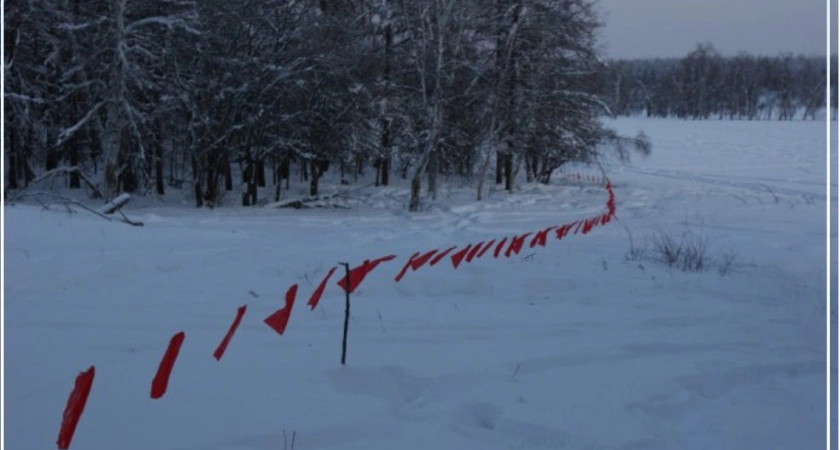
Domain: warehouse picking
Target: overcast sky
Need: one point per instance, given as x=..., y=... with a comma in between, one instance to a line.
x=661, y=28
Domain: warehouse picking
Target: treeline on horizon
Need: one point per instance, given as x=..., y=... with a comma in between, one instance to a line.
x=705, y=85
x=150, y=95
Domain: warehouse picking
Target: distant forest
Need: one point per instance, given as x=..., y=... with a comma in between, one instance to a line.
x=148, y=96
x=706, y=85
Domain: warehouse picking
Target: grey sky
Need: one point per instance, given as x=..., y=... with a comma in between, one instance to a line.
x=651, y=28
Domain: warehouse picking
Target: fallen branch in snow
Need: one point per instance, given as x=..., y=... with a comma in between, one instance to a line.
x=312, y=202
x=69, y=170
x=115, y=204
x=66, y=202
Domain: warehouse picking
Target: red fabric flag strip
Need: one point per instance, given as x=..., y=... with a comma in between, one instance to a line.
x=486, y=247
x=499, y=248
x=383, y=259
x=220, y=350
x=589, y=224
x=516, y=245
x=441, y=255
x=405, y=267
x=459, y=256
x=415, y=262
x=356, y=275
x=75, y=407
x=540, y=237
x=418, y=263
x=474, y=251
x=161, y=380
x=605, y=218
x=359, y=273
x=611, y=200
x=280, y=318
x=564, y=230
x=316, y=296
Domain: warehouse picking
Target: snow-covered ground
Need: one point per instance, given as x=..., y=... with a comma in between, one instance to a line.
x=568, y=346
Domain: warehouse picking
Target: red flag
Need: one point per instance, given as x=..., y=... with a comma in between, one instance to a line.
x=415, y=262
x=516, y=244
x=441, y=255
x=405, y=267
x=359, y=273
x=474, y=251
x=540, y=237
x=590, y=224
x=611, y=200
x=356, y=275
x=316, y=296
x=486, y=247
x=75, y=407
x=499, y=248
x=418, y=263
x=459, y=256
x=280, y=318
x=564, y=230
x=220, y=350
x=161, y=380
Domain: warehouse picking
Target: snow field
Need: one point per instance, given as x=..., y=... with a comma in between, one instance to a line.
x=568, y=346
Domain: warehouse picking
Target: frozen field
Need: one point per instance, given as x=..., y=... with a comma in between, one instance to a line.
x=569, y=346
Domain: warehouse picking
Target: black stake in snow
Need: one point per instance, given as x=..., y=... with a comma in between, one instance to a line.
x=346, y=312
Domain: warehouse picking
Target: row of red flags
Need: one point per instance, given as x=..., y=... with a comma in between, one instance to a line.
x=507, y=247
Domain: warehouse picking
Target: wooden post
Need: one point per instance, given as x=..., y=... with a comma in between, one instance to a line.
x=346, y=312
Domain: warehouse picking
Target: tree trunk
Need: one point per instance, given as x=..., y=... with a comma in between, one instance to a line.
x=386, y=171
x=285, y=171
x=249, y=177
x=172, y=164
x=414, y=203
x=73, y=159
x=385, y=144
x=227, y=172
x=499, y=164
x=529, y=168
x=382, y=171
x=159, y=185
x=112, y=133
x=211, y=194
x=433, y=169
x=199, y=196
x=316, y=175
x=253, y=183
x=260, y=168
x=509, y=172
x=52, y=158
x=12, y=176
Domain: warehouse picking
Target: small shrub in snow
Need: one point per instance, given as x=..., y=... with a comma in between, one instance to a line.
x=636, y=252
x=689, y=253
x=666, y=249
x=727, y=263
